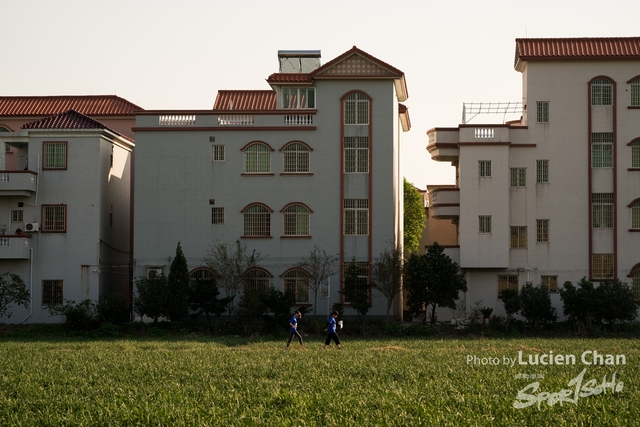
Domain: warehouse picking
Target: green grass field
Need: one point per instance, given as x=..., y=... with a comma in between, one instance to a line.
x=198, y=381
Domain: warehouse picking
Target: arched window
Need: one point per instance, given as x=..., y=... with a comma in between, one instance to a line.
x=635, y=92
x=296, y=158
x=635, y=214
x=601, y=92
x=257, y=158
x=257, y=221
x=296, y=220
x=257, y=281
x=635, y=153
x=201, y=277
x=635, y=282
x=296, y=285
x=356, y=109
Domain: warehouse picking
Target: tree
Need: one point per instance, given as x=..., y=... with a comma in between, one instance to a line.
x=386, y=275
x=433, y=279
x=414, y=217
x=580, y=303
x=617, y=302
x=204, y=297
x=150, y=300
x=356, y=289
x=177, y=304
x=319, y=267
x=512, y=304
x=12, y=291
x=230, y=262
x=536, y=305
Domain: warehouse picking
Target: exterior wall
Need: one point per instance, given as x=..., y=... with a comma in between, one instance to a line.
x=176, y=180
x=90, y=189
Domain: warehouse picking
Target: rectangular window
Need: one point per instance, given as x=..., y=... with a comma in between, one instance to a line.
x=356, y=154
x=17, y=215
x=602, y=210
x=356, y=217
x=356, y=109
x=217, y=215
x=55, y=155
x=218, y=152
x=518, y=177
x=484, y=224
x=507, y=281
x=54, y=218
x=484, y=168
x=550, y=283
x=542, y=231
x=298, y=97
x=635, y=154
x=602, y=149
x=601, y=92
x=52, y=292
x=518, y=237
x=635, y=93
x=542, y=171
x=542, y=112
x=602, y=266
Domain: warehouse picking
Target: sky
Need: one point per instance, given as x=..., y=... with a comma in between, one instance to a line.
x=162, y=54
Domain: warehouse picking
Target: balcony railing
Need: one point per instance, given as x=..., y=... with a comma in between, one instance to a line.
x=14, y=247
x=298, y=119
x=177, y=120
x=18, y=183
x=235, y=120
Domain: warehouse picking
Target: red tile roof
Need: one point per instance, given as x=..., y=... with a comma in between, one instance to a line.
x=67, y=120
x=290, y=78
x=245, y=100
x=577, y=49
x=98, y=105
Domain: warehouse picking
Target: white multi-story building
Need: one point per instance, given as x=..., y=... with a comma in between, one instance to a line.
x=65, y=216
x=555, y=195
x=313, y=161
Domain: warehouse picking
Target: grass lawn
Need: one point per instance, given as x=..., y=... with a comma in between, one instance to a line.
x=204, y=381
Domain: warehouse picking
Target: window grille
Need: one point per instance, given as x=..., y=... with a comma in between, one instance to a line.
x=636, y=284
x=635, y=92
x=217, y=215
x=484, y=168
x=602, y=149
x=602, y=266
x=296, y=221
x=17, y=215
x=542, y=112
x=55, y=155
x=296, y=286
x=507, y=281
x=52, y=292
x=257, y=159
x=635, y=154
x=518, y=237
x=257, y=282
x=257, y=221
x=601, y=92
x=218, y=152
x=518, y=177
x=484, y=224
x=356, y=109
x=602, y=210
x=54, y=218
x=635, y=215
x=356, y=154
x=542, y=171
x=542, y=231
x=296, y=158
x=356, y=217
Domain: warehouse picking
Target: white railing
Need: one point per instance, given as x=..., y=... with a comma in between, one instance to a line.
x=484, y=133
x=235, y=120
x=4, y=177
x=298, y=119
x=4, y=241
x=177, y=120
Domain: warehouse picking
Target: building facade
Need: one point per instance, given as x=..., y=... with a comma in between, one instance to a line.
x=313, y=161
x=555, y=195
x=65, y=216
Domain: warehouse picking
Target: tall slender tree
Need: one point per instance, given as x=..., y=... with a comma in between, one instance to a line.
x=177, y=306
x=414, y=217
x=356, y=289
x=386, y=275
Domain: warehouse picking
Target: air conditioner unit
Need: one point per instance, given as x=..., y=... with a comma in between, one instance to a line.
x=31, y=227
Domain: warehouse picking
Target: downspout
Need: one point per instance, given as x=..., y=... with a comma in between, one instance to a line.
x=30, y=285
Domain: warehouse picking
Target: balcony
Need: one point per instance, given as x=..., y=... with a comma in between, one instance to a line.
x=14, y=247
x=445, y=203
x=18, y=183
x=443, y=144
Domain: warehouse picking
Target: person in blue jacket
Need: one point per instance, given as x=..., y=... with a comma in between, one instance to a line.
x=331, y=331
x=293, y=328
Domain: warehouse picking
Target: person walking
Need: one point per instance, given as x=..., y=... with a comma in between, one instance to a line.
x=293, y=328
x=331, y=331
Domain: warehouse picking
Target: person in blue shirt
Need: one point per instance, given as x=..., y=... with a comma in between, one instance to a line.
x=331, y=331
x=293, y=328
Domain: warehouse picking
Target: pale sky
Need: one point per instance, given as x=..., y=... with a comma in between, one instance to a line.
x=162, y=54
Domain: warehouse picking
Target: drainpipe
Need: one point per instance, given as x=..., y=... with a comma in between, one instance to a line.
x=30, y=285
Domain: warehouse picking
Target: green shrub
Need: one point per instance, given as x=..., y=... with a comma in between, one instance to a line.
x=113, y=309
x=536, y=305
x=82, y=316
